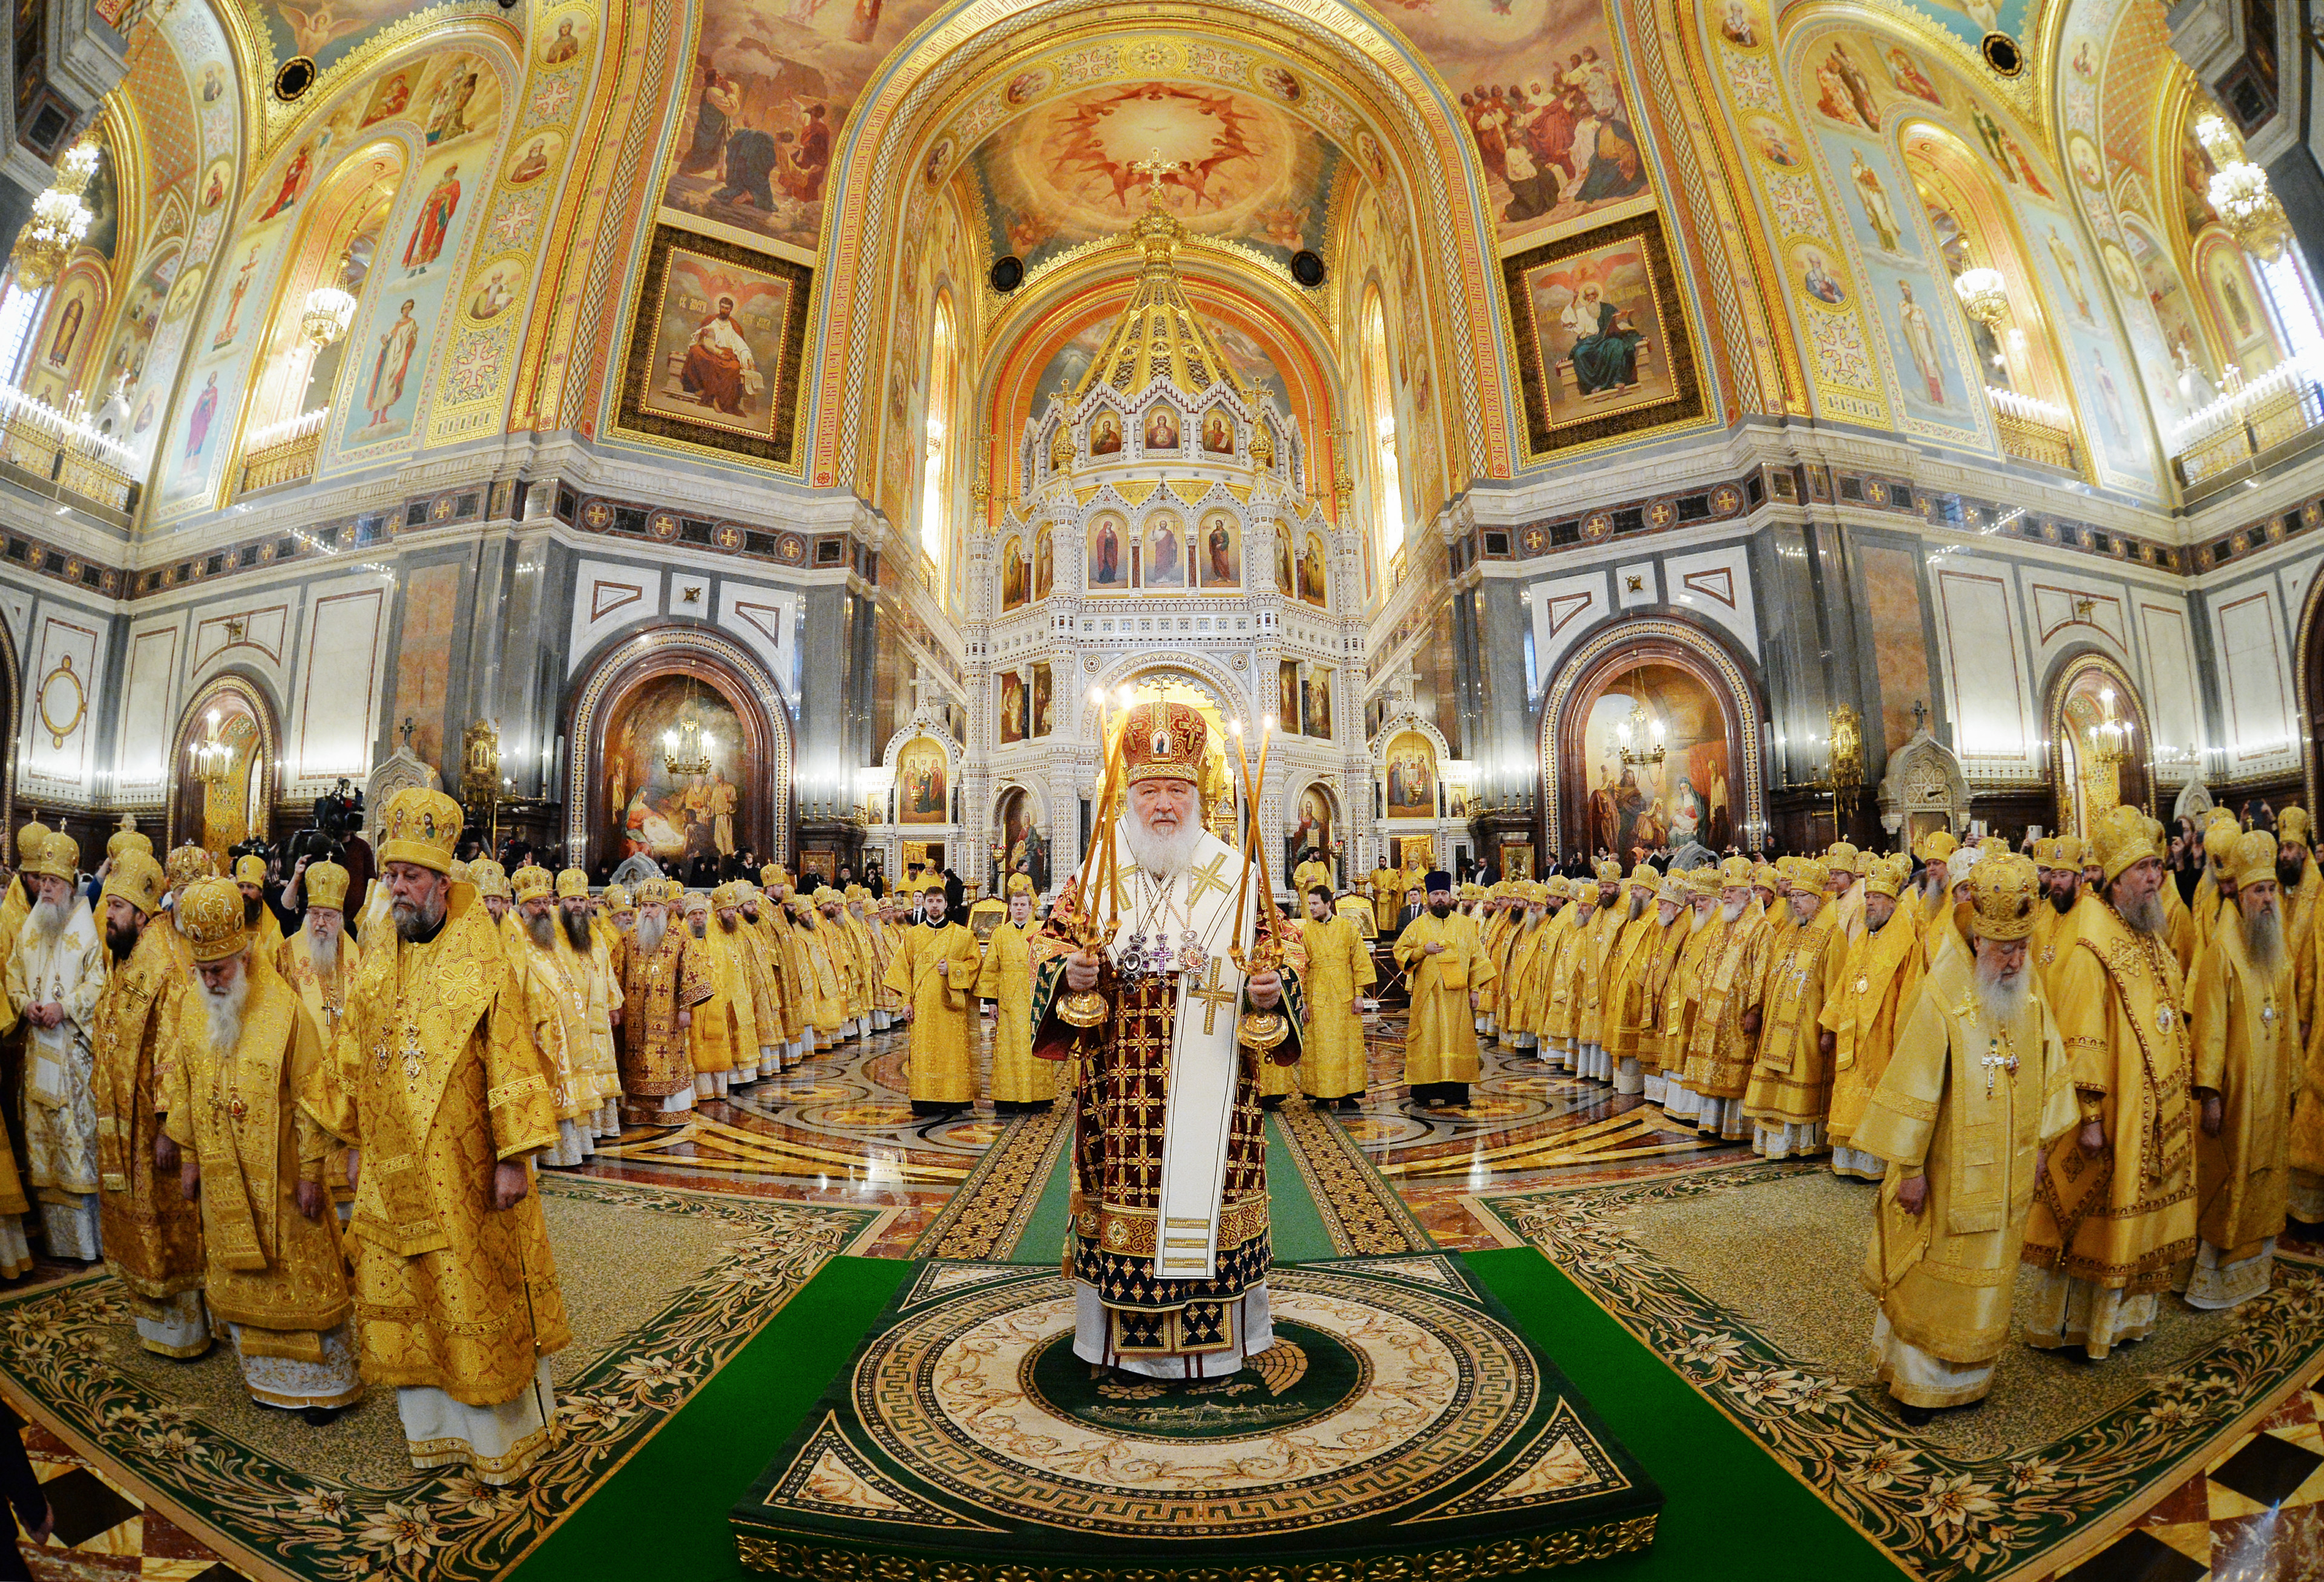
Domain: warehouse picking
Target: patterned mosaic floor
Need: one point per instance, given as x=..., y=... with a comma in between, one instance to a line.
x=839, y=1134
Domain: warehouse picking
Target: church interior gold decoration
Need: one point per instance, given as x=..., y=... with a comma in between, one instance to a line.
x=1607, y=350
x=715, y=348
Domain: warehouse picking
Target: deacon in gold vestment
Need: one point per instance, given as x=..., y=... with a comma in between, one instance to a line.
x=2247, y=1061
x=1978, y=1088
x=1020, y=1081
x=662, y=980
x=437, y=1086
x=152, y=1236
x=1877, y=983
x=1388, y=897
x=2115, y=1215
x=1790, y=1095
x=1445, y=967
x=1333, y=1064
x=1170, y=1248
x=247, y=1083
x=934, y=970
x=1719, y=1047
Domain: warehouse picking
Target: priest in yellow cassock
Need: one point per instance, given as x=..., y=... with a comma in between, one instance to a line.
x=1333, y=1066
x=1169, y=1253
x=1721, y=1044
x=54, y=977
x=152, y=1236
x=1878, y=981
x=248, y=1085
x=1388, y=897
x=1313, y=870
x=1789, y=1099
x=1445, y=967
x=1977, y=1090
x=663, y=979
x=2247, y=1065
x=935, y=970
x=2115, y=1215
x=1006, y=978
x=437, y=1086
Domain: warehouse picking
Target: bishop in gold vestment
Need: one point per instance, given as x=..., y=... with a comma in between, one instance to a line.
x=1721, y=1044
x=54, y=977
x=1790, y=1095
x=152, y=1236
x=2247, y=1061
x=319, y=962
x=1878, y=982
x=1562, y=1004
x=1674, y=1019
x=1338, y=967
x=1521, y=993
x=1977, y=1087
x=722, y=1035
x=1623, y=1005
x=2115, y=1215
x=934, y=970
x=662, y=980
x=556, y=1012
x=587, y=954
x=1445, y=967
x=1020, y=1081
x=437, y=1086
x=248, y=1084
x=1590, y=1058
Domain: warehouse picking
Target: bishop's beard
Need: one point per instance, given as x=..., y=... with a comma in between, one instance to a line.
x=542, y=931
x=323, y=949
x=1166, y=857
x=577, y=930
x=1729, y=911
x=47, y=917
x=223, y=1010
x=2145, y=914
x=1638, y=905
x=2263, y=939
x=650, y=932
x=2003, y=999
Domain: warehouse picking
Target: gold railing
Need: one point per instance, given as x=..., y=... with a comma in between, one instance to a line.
x=2034, y=431
x=63, y=457
x=285, y=453
x=2249, y=420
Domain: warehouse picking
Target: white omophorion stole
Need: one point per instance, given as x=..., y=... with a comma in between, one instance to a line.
x=1198, y=1114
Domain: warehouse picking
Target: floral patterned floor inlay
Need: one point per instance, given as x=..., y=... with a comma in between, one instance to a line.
x=1744, y=1279
x=701, y=1274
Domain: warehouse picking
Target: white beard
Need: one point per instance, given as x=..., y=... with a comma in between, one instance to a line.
x=324, y=948
x=225, y=1011
x=650, y=932
x=2264, y=941
x=1166, y=857
x=2001, y=1003
x=1729, y=911
x=1697, y=919
x=47, y=918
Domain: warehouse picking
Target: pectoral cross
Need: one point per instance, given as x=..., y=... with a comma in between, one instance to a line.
x=2268, y=1018
x=1214, y=997
x=1205, y=879
x=1153, y=168
x=1997, y=1061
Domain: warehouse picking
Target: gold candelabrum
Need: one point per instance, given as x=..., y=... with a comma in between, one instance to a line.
x=2109, y=737
x=480, y=775
x=1844, y=730
x=213, y=757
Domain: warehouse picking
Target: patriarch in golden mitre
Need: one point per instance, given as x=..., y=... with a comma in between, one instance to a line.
x=1169, y=1249
x=2241, y=1011
x=248, y=1086
x=438, y=1089
x=1978, y=1088
x=2115, y=1215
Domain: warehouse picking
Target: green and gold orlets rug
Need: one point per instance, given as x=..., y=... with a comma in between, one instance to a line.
x=1401, y=1425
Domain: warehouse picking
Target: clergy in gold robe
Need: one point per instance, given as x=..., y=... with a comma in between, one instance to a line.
x=2244, y=1023
x=2215, y=885
x=662, y=981
x=821, y=972
x=2296, y=873
x=1978, y=1086
x=730, y=906
x=1842, y=889
x=437, y=1085
x=152, y=1236
x=1622, y=1004
x=1020, y=1081
x=54, y=977
x=248, y=1081
x=1333, y=1069
x=722, y=1033
x=1522, y=993
x=1878, y=981
x=788, y=960
x=556, y=1012
x=1590, y=1057
x=266, y=929
x=1932, y=893
x=1313, y=870
x=1562, y=1002
x=846, y=961
x=1722, y=1043
x=1680, y=996
x=2059, y=921
x=851, y=919
x=2115, y=1214
x=1789, y=1099
x=588, y=956
x=1673, y=919
x=1444, y=963
x=1387, y=886
x=880, y=926
x=319, y=962
x=935, y=970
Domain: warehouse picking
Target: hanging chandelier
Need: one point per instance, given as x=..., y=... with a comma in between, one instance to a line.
x=2108, y=736
x=213, y=757
x=2251, y=212
x=1984, y=295
x=687, y=750
x=1639, y=736
x=59, y=222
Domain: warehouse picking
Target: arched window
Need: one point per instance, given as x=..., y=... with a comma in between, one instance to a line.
x=936, y=466
x=1380, y=436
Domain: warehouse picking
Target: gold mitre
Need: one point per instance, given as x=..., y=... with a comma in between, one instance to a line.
x=1644, y=876
x=250, y=868
x=572, y=884
x=1808, y=874
x=727, y=897
x=617, y=900
x=58, y=857
x=421, y=827
x=1557, y=887
x=1671, y=891
x=185, y=864
x=694, y=901
x=1887, y=876
x=121, y=840
x=1765, y=877
x=2007, y=892
x=28, y=841
x=1840, y=854
x=326, y=884
x=532, y=882
x=1609, y=872
x=772, y=875
x=2255, y=858
x=1935, y=846
x=1163, y=741
x=2219, y=832
x=2120, y=840
x=1735, y=873
x=1707, y=880
x=209, y=915
x=2049, y=855
x=489, y=877
x=135, y=877
x=2291, y=825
